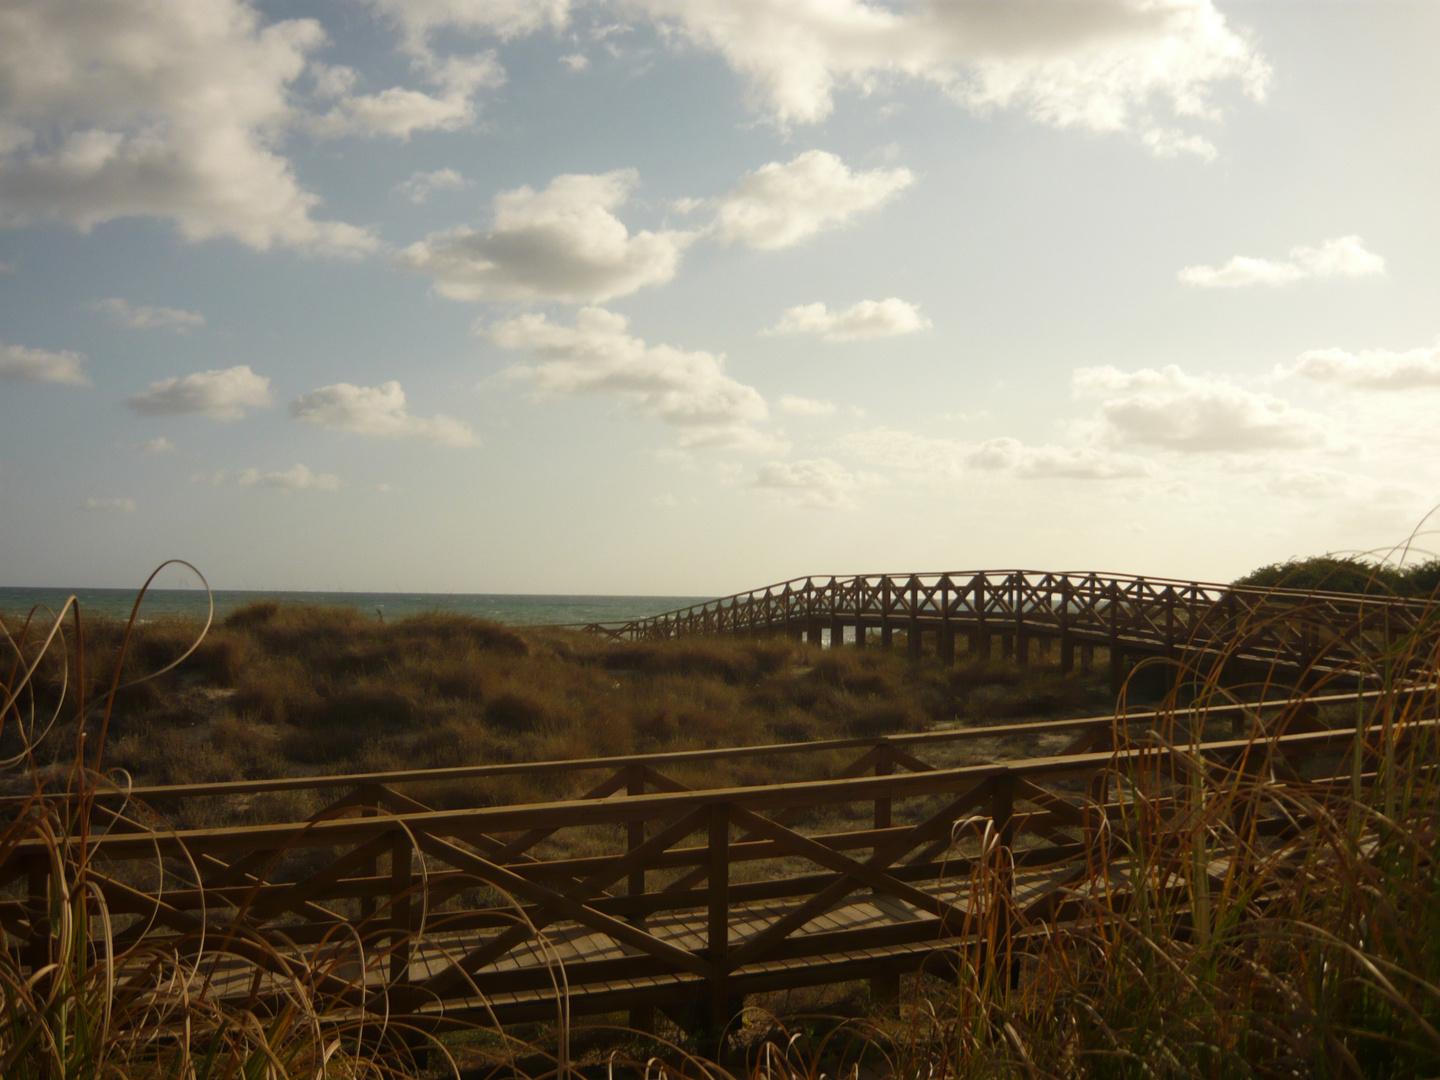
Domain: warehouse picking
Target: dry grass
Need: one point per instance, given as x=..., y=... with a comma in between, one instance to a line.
x=275, y=691
x=1239, y=954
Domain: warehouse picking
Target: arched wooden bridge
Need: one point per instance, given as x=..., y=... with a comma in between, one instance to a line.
x=641, y=891
x=1288, y=631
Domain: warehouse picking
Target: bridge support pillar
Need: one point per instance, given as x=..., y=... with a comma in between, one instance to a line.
x=1087, y=658
x=859, y=633
x=1022, y=648
x=885, y=989
x=978, y=646
x=885, y=635
x=913, y=641
x=1117, y=667
x=1007, y=646
x=1067, y=654
x=837, y=632
x=723, y=1003
x=947, y=645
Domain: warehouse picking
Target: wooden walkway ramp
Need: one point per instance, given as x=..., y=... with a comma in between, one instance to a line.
x=642, y=892
x=1286, y=631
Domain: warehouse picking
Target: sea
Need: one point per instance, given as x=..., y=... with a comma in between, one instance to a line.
x=514, y=608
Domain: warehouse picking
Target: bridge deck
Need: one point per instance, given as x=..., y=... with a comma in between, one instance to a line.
x=572, y=957
x=688, y=899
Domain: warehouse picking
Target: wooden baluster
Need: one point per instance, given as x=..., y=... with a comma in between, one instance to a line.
x=912, y=630
x=947, y=631
x=642, y=1017
x=885, y=766
x=718, y=931
x=1062, y=618
x=369, y=809
x=1117, y=655
x=1003, y=814
x=885, y=613
x=980, y=639
x=401, y=880
x=635, y=836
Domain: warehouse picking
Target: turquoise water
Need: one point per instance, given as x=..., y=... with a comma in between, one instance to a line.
x=513, y=608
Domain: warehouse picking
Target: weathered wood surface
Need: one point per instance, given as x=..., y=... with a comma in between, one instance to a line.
x=645, y=892
x=1288, y=630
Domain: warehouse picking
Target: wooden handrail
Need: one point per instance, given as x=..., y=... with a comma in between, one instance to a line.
x=614, y=811
x=668, y=758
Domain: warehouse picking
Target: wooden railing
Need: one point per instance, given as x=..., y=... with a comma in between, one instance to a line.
x=1287, y=629
x=642, y=892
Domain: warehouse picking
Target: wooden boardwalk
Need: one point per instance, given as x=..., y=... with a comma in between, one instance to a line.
x=639, y=892
x=1285, y=631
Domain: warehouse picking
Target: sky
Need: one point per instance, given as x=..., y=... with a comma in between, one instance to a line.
x=674, y=298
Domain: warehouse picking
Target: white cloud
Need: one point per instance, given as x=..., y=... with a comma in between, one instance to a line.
x=803, y=406
x=422, y=185
x=866, y=319
x=419, y=20
x=150, y=318
x=220, y=395
x=1371, y=369
x=818, y=483
x=377, y=410
x=563, y=243
x=1049, y=462
x=400, y=112
x=166, y=109
x=779, y=205
x=576, y=61
x=20, y=364
x=930, y=458
x=1099, y=65
x=296, y=478
x=157, y=445
x=1193, y=414
x=109, y=506
x=1344, y=256
x=596, y=357
x=1170, y=143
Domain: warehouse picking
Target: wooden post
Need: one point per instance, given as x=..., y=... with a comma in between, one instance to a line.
x=401, y=879
x=837, y=630
x=635, y=836
x=980, y=636
x=1067, y=643
x=1007, y=646
x=1022, y=639
x=912, y=631
x=1087, y=658
x=1003, y=814
x=642, y=1017
x=946, y=645
x=884, y=767
x=718, y=933
x=885, y=613
x=369, y=809
x=885, y=989
x=1117, y=654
